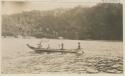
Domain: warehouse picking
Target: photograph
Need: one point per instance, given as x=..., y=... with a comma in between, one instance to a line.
x=61, y=37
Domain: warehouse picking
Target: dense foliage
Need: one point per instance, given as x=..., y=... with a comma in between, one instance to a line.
x=103, y=22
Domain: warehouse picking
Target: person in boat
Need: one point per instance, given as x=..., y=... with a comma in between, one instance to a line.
x=62, y=46
x=43, y=44
x=39, y=45
x=79, y=47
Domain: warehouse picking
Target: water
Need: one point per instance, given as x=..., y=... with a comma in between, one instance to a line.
x=18, y=58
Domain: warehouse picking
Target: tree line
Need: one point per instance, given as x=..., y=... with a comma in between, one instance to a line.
x=103, y=21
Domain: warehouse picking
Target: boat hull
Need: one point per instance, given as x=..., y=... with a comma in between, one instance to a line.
x=40, y=50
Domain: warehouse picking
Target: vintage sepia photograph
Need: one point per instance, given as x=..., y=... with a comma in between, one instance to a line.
x=61, y=37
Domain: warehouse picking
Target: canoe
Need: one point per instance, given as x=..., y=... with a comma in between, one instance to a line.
x=40, y=50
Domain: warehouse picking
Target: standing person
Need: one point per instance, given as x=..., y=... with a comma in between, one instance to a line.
x=62, y=46
x=79, y=47
x=40, y=44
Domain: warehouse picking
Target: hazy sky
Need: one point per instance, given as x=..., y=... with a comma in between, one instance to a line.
x=10, y=7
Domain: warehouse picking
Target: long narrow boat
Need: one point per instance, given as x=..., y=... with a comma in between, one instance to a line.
x=40, y=50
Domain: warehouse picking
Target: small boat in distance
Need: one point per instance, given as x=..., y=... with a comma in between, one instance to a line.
x=48, y=50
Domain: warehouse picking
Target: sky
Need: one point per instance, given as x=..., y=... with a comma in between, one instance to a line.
x=11, y=7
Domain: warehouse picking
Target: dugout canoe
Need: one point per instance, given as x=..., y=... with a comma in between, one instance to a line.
x=40, y=50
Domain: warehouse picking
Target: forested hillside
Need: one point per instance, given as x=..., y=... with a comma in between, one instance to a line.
x=101, y=22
